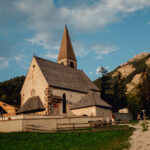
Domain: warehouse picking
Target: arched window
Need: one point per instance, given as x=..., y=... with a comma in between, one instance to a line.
x=71, y=64
x=33, y=92
x=64, y=110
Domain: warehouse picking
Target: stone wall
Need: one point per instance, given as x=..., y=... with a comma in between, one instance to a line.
x=89, y=111
x=71, y=97
x=123, y=116
x=106, y=113
x=40, y=123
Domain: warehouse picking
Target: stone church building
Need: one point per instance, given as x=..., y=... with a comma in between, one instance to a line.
x=60, y=88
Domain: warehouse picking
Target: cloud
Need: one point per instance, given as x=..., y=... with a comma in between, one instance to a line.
x=51, y=55
x=98, y=70
x=80, y=49
x=20, y=57
x=3, y=63
x=46, y=18
x=101, y=50
x=44, y=21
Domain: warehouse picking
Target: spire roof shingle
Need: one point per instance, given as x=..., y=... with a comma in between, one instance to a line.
x=66, y=49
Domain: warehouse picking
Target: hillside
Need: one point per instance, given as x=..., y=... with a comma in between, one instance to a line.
x=10, y=90
x=131, y=71
x=130, y=78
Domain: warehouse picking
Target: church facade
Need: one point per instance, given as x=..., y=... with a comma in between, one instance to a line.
x=60, y=88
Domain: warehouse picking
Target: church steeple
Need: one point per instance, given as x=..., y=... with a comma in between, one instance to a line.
x=66, y=53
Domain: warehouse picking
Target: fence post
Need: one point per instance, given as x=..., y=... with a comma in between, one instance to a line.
x=57, y=127
x=107, y=125
x=73, y=127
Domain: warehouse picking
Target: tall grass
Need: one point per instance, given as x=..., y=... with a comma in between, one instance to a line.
x=108, y=140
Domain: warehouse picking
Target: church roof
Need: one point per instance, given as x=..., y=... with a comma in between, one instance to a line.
x=91, y=99
x=66, y=49
x=61, y=76
x=33, y=104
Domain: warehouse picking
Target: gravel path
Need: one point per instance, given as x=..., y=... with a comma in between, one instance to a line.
x=140, y=140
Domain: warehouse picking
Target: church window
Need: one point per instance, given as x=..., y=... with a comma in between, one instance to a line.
x=71, y=64
x=64, y=104
x=33, y=92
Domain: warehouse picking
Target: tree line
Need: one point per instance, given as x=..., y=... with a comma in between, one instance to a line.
x=114, y=91
x=10, y=90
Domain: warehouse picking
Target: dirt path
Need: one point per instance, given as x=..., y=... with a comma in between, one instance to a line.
x=140, y=140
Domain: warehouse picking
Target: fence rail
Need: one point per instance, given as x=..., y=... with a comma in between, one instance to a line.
x=93, y=126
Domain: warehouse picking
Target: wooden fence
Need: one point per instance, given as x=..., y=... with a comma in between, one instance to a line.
x=92, y=126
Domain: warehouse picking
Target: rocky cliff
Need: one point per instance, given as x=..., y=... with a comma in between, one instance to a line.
x=131, y=71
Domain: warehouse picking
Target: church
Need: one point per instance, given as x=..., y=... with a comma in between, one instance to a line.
x=61, y=89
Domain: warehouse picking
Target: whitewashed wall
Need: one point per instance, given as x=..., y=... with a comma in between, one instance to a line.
x=34, y=80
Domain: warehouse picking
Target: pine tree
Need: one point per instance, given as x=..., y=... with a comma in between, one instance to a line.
x=144, y=91
x=119, y=96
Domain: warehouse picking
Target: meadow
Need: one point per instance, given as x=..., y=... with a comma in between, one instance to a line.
x=107, y=140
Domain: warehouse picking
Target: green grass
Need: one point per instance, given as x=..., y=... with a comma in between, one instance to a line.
x=133, y=122
x=107, y=140
x=144, y=126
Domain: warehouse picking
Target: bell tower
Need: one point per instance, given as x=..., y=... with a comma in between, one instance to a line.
x=66, y=53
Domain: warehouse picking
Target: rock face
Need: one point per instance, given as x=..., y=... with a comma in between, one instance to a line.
x=125, y=70
x=131, y=71
x=134, y=82
x=138, y=57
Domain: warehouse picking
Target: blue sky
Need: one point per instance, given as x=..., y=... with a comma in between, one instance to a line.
x=103, y=32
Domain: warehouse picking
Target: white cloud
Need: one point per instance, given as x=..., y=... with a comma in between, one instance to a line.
x=98, y=70
x=80, y=49
x=4, y=63
x=20, y=57
x=51, y=55
x=46, y=19
x=101, y=50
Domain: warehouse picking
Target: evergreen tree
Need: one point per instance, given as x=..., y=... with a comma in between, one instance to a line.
x=134, y=104
x=10, y=90
x=119, y=96
x=144, y=91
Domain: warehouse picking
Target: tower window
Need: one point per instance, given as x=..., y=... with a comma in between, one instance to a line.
x=64, y=104
x=71, y=64
x=33, y=92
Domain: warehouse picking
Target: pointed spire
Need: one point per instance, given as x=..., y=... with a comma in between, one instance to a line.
x=66, y=49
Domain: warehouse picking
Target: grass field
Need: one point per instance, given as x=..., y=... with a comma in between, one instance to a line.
x=107, y=140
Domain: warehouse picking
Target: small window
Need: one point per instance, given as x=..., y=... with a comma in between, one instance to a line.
x=64, y=104
x=33, y=92
x=71, y=64
x=62, y=63
x=33, y=66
